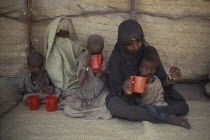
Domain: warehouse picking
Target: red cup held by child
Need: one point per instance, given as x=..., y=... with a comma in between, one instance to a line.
x=138, y=84
x=96, y=62
x=33, y=102
x=51, y=103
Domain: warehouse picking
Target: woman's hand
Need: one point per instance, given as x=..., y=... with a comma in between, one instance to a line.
x=174, y=73
x=127, y=87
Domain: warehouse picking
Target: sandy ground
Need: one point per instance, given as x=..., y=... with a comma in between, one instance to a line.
x=23, y=124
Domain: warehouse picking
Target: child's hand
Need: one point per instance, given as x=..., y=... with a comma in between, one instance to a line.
x=174, y=73
x=127, y=87
x=48, y=90
x=87, y=61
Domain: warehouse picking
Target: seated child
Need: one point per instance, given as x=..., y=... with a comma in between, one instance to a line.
x=89, y=100
x=153, y=94
x=35, y=80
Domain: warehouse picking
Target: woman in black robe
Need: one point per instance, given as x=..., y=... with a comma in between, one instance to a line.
x=124, y=62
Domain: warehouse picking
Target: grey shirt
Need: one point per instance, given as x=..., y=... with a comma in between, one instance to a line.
x=27, y=86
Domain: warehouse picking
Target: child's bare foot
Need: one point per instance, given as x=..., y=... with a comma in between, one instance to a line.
x=179, y=121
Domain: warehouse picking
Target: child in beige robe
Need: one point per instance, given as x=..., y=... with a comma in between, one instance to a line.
x=89, y=100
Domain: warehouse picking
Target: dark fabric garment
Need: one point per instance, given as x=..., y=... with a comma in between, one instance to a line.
x=128, y=30
x=122, y=108
x=177, y=107
x=122, y=65
x=157, y=112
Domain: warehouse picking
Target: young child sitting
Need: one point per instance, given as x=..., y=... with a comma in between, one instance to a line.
x=153, y=93
x=35, y=80
x=89, y=100
x=153, y=98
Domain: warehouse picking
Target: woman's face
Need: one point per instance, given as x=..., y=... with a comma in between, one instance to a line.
x=134, y=46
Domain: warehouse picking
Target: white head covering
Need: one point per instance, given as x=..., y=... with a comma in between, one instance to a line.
x=67, y=25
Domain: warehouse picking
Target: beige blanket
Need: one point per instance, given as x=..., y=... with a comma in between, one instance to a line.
x=62, y=56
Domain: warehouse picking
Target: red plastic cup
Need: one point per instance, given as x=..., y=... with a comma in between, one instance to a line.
x=51, y=103
x=138, y=84
x=33, y=102
x=96, y=62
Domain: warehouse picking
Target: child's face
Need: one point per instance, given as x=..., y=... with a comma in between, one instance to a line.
x=93, y=50
x=35, y=66
x=146, y=68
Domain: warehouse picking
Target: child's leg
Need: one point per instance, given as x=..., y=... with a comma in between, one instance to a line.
x=160, y=113
x=97, y=109
x=177, y=107
x=74, y=112
x=179, y=121
x=97, y=113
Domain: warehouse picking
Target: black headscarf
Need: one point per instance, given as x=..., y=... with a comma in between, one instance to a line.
x=129, y=30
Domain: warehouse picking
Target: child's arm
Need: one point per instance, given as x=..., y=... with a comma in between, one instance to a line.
x=83, y=71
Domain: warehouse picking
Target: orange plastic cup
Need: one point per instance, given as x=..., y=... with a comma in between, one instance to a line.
x=33, y=102
x=138, y=84
x=96, y=62
x=51, y=103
